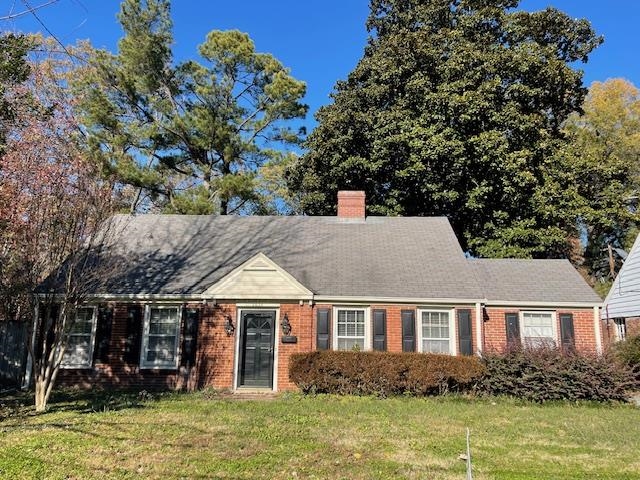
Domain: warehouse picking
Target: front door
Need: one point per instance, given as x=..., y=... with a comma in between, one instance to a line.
x=256, y=348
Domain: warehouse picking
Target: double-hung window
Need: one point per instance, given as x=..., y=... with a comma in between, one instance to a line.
x=436, y=331
x=161, y=336
x=538, y=328
x=351, y=327
x=79, y=350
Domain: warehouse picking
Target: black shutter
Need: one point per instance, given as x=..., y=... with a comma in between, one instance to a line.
x=48, y=313
x=513, y=329
x=133, y=335
x=380, y=330
x=322, y=328
x=189, y=337
x=103, y=335
x=464, y=332
x=408, y=330
x=566, y=331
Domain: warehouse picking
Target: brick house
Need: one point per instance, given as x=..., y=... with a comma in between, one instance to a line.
x=224, y=301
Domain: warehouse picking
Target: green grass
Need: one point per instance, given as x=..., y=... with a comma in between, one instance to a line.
x=293, y=437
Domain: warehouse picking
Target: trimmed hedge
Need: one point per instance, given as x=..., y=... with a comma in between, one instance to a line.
x=383, y=373
x=544, y=374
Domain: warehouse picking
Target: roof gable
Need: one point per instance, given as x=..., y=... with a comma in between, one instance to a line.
x=259, y=278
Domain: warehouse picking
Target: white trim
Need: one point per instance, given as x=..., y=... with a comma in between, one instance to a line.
x=549, y=305
x=342, y=300
x=257, y=305
x=267, y=264
x=368, y=337
x=276, y=342
x=453, y=350
x=92, y=339
x=554, y=323
x=144, y=365
x=597, y=325
x=479, y=328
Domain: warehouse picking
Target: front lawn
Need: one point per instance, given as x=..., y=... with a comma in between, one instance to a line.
x=294, y=437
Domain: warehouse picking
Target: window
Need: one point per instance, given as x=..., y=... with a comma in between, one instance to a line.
x=436, y=331
x=538, y=328
x=79, y=351
x=621, y=328
x=351, y=329
x=160, y=340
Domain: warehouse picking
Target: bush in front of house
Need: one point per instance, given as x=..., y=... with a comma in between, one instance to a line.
x=545, y=374
x=383, y=373
x=627, y=352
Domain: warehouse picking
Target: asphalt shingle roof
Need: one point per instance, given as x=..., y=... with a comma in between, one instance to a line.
x=532, y=281
x=390, y=257
x=380, y=256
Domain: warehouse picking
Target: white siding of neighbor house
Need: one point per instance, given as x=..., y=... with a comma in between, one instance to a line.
x=258, y=278
x=623, y=299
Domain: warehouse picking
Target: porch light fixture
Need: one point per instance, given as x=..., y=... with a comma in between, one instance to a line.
x=286, y=326
x=228, y=326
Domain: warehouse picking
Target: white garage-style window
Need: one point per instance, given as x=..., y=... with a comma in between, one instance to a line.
x=538, y=328
x=352, y=329
x=161, y=336
x=436, y=331
x=82, y=336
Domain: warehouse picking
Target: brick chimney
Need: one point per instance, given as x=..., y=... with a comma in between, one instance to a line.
x=351, y=204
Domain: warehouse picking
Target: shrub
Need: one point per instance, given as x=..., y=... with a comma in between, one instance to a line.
x=383, y=373
x=627, y=352
x=544, y=374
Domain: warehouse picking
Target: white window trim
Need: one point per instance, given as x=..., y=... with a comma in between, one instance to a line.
x=368, y=337
x=92, y=341
x=145, y=339
x=453, y=339
x=554, y=324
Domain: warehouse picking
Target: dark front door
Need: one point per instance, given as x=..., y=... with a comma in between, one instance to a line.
x=256, y=348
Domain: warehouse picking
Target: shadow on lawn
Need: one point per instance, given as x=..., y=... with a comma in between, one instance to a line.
x=75, y=400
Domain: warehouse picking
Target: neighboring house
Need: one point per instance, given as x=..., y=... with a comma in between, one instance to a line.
x=224, y=301
x=621, y=311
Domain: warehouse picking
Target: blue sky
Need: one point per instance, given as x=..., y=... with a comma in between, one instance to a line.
x=319, y=41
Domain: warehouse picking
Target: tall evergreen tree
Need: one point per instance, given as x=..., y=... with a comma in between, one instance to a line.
x=190, y=136
x=456, y=109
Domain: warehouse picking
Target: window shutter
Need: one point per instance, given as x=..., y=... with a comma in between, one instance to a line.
x=47, y=336
x=464, y=332
x=513, y=329
x=408, y=330
x=133, y=335
x=380, y=330
x=566, y=331
x=323, y=329
x=103, y=335
x=189, y=337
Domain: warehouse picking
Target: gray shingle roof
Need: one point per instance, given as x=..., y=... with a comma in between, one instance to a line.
x=382, y=256
x=532, y=281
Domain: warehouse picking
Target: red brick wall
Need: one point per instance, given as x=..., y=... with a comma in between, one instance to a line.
x=608, y=328
x=216, y=350
x=495, y=334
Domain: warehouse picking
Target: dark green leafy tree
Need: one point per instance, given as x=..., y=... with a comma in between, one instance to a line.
x=14, y=70
x=190, y=137
x=456, y=109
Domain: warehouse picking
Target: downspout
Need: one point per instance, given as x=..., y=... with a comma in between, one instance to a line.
x=598, y=332
x=479, y=328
